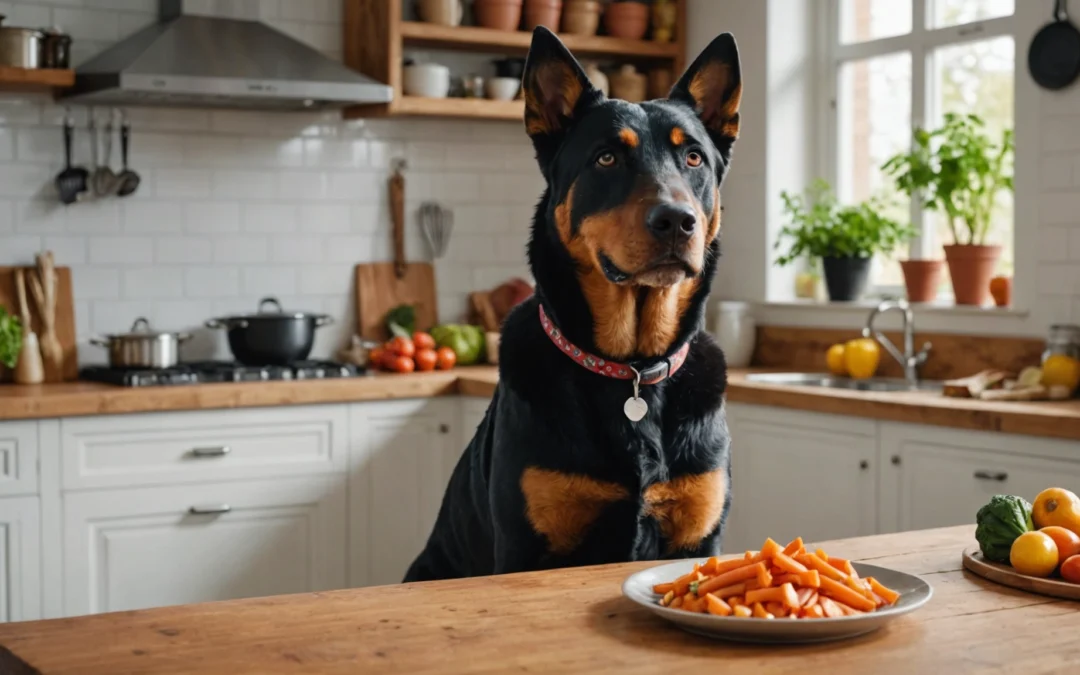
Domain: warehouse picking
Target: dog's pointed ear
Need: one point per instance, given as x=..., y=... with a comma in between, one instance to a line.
x=556, y=88
x=712, y=86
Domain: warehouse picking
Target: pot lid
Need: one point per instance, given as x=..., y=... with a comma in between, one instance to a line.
x=270, y=308
x=141, y=329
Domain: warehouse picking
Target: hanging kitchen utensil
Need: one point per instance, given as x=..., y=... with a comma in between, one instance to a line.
x=102, y=178
x=72, y=181
x=128, y=181
x=383, y=286
x=436, y=223
x=1054, y=55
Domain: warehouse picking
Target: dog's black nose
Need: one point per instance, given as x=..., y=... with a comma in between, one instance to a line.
x=671, y=221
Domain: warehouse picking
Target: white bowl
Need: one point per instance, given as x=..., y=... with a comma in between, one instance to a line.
x=426, y=79
x=502, y=88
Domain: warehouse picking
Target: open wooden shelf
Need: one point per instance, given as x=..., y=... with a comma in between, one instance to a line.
x=471, y=108
x=474, y=38
x=35, y=79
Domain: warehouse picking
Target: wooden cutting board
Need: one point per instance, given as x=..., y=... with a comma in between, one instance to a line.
x=65, y=319
x=380, y=287
x=1007, y=576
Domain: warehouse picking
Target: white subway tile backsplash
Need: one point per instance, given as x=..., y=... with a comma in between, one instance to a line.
x=48, y=216
x=241, y=249
x=359, y=186
x=1060, y=208
x=244, y=184
x=211, y=217
x=70, y=250
x=1056, y=172
x=350, y=248
x=25, y=180
x=335, y=152
x=95, y=282
x=324, y=218
x=7, y=217
x=296, y=249
x=7, y=144
x=325, y=280
x=109, y=250
x=85, y=24
x=281, y=152
x=302, y=185
x=211, y=282
x=269, y=280
x=118, y=316
x=171, y=183
x=152, y=217
x=184, y=250
x=270, y=218
x=153, y=282
x=19, y=249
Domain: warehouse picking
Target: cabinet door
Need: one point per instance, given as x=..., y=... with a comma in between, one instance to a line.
x=145, y=547
x=20, y=559
x=401, y=456
x=799, y=474
x=939, y=477
x=18, y=458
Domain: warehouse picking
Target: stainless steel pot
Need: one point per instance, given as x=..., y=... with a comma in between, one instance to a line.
x=21, y=47
x=142, y=347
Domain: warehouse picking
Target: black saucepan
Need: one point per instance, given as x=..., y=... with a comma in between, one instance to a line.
x=274, y=337
x=1054, y=56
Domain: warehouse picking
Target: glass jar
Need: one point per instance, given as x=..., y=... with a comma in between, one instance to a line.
x=1063, y=339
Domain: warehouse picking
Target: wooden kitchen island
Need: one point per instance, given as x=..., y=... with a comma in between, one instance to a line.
x=570, y=621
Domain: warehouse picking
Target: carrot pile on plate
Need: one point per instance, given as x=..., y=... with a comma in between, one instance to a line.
x=777, y=582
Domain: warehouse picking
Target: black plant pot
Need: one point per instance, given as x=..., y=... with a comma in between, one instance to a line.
x=846, y=277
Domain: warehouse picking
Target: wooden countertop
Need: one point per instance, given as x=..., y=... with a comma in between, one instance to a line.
x=1054, y=419
x=565, y=621
x=73, y=399
x=1059, y=419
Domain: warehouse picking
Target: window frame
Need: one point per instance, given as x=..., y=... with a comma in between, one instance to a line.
x=921, y=42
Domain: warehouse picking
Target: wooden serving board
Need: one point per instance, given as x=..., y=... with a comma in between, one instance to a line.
x=1007, y=576
x=379, y=289
x=65, y=319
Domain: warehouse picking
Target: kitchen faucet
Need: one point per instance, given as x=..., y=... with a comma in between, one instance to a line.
x=908, y=359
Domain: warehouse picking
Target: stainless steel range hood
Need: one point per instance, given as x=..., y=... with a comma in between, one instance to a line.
x=204, y=61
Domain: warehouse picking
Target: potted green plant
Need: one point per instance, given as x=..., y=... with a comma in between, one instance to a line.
x=10, y=338
x=845, y=238
x=960, y=171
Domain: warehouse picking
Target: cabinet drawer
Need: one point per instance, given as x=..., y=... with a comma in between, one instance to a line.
x=167, y=448
x=145, y=547
x=18, y=458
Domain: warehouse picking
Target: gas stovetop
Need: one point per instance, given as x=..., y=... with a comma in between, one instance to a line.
x=205, y=372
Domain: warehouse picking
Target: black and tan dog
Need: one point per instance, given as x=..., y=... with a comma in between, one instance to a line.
x=623, y=249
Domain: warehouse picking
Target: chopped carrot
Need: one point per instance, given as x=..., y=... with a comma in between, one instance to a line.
x=668, y=597
x=752, y=584
x=682, y=584
x=734, y=576
x=775, y=571
x=709, y=567
x=760, y=612
x=696, y=605
x=727, y=591
x=724, y=566
x=677, y=602
x=815, y=612
x=848, y=611
x=839, y=591
x=859, y=586
x=879, y=601
x=736, y=600
x=844, y=566
x=770, y=548
x=809, y=578
x=717, y=606
x=776, y=609
x=661, y=589
x=811, y=601
x=803, y=595
x=822, y=554
x=783, y=594
x=742, y=611
x=832, y=610
x=889, y=595
x=815, y=562
x=788, y=564
x=795, y=547
x=750, y=555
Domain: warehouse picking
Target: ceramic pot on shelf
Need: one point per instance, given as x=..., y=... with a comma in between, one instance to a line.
x=922, y=278
x=663, y=20
x=498, y=14
x=581, y=17
x=626, y=19
x=596, y=76
x=628, y=84
x=441, y=12
x=970, y=268
x=543, y=13
x=736, y=333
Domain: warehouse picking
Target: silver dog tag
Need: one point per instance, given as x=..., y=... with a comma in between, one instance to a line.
x=635, y=407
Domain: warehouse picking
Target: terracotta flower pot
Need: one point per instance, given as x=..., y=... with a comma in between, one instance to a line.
x=628, y=20
x=581, y=17
x=543, y=13
x=922, y=279
x=498, y=14
x=971, y=268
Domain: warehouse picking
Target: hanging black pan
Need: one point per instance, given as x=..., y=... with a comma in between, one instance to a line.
x=1054, y=57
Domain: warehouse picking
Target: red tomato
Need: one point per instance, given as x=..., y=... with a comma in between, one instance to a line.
x=402, y=346
x=401, y=364
x=377, y=357
x=1070, y=570
x=1068, y=542
x=422, y=340
x=447, y=358
x=426, y=359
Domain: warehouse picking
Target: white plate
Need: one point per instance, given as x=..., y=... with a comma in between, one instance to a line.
x=914, y=593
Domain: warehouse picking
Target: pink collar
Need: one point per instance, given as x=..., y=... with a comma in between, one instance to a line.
x=658, y=372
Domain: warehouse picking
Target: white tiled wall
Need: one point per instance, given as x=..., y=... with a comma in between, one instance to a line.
x=238, y=205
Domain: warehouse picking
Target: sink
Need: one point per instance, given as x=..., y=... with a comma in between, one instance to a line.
x=833, y=382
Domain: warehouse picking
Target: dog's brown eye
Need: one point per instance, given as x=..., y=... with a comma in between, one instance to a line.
x=606, y=159
x=694, y=158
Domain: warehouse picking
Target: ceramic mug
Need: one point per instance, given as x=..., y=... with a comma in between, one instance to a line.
x=426, y=79
x=442, y=12
x=502, y=88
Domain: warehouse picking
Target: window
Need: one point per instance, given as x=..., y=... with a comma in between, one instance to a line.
x=899, y=64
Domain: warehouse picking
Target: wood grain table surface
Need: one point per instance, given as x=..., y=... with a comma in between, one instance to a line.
x=563, y=621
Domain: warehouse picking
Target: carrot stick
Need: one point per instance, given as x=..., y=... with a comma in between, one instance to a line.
x=783, y=594
x=682, y=584
x=717, y=606
x=668, y=597
x=788, y=564
x=848, y=611
x=803, y=595
x=815, y=562
x=839, y=591
x=810, y=578
x=663, y=589
x=822, y=554
x=734, y=576
x=724, y=566
x=811, y=601
x=760, y=612
x=889, y=595
x=742, y=611
x=859, y=586
x=727, y=591
x=843, y=565
x=879, y=601
x=795, y=547
x=770, y=548
x=709, y=568
x=832, y=610
x=815, y=612
x=736, y=600
x=677, y=602
x=776, y=609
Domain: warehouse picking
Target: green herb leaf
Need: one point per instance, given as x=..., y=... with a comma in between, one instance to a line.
x=10, y=338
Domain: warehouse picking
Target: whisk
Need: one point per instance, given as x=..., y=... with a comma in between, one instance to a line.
x=436, y=223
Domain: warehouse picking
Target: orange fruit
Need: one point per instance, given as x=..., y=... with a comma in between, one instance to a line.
x=1034, y=554
x=1060, y=370
x=1001, y=290
x=1068, y=542
x=1057, y=506
x=834, y=358
x=862, y=357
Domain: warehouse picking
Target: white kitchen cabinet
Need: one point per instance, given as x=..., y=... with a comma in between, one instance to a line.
x=143, y=547
x=936, y=477
x=400, y=460
x=799, y=474
x=20, y=559
x=18, y=458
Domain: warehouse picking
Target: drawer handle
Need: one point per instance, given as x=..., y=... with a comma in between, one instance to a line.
x=216, y=451
x=211, y=510
x=999, y=476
